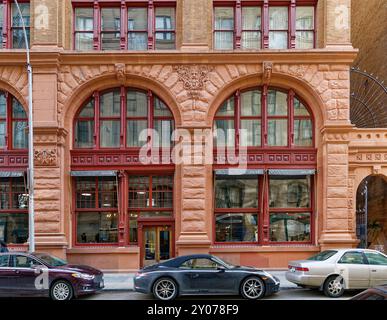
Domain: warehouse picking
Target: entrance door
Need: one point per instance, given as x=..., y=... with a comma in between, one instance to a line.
x=157, y=244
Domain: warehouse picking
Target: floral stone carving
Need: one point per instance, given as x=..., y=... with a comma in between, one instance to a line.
x=45, y=157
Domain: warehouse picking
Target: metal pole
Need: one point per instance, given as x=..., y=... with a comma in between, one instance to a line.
x=366, y=214
x=31, y=211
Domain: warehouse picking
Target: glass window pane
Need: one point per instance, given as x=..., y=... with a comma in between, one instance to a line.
x=19, y=201
x=250, y=133
x=304, y=40
x=25, y=10
x=376, y=258
x=236, y=227
x=164, y=129
x=303, y=133
x=232, y=192
x=88, y=110
x=136, y=104
x=251, y=40
x=133, y=131
x=137, y=19
x=165, y=40
x=160, y=109
x=352, y=258
x=110, y=41
x=110, y=19
x=224, y=18
x=251, y=18
x=278, y=133
x=285, y=227
x=107, y=192
x=18, y=110
x=110, y=104
x=84, y=134
x=278, y=18
x=299, y=108
x=95, y=227
x=227, y=108
x=86, y=193
x=3, y=130
x=18, y=41
x=139, y=192
x=5, y=201
x=304, y=18
x=84, y=41
x=278, y=40
x=110, y=133
x=162, y=192
x=165, y=18
x=3, y=105
x=13, y=228
x=19, y=135
x=224, y=40
x=84, y=19
x=277, y=103
x=133, y=226
x=1, y=24
x=137, y=41
x=251, y=103
x=224, y=133
x=290, y=192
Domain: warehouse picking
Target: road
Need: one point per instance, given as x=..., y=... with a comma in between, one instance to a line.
x=289, y=294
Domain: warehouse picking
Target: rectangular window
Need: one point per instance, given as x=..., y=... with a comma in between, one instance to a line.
x=290, y=227
x=236, y=227
x=224, y=133
x=110, y=28
x=110, y=133
x=224, y=28
x=137, y=118
x=18, y=41
x=164, y=28
x=137, y=29
x=290, y=192
x=304, y=27
x=234, y=192
x=84, y=25
x=14, y=228
x=251, y=27
x=278, y=27
x=97, y=227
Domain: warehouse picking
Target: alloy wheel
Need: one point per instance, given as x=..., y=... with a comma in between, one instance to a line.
x=335, y=287
x=253, y=288
x=61, y=291
x=165, y=289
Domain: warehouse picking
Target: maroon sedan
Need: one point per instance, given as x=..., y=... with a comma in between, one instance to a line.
x=43, y=275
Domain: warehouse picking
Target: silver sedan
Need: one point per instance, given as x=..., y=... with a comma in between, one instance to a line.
x=336, y=270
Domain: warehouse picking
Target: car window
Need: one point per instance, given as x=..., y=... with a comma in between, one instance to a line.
x=352, y=258
x=322, y=256
x=376, y=258
x=374, y=296
x=4, y=260
x=24, y=262
x=202, y=263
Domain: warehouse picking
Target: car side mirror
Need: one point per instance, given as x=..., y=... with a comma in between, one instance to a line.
x=37, y=268
x=221, y=269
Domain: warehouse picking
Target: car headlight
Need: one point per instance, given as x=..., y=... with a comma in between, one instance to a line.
x=83, y=276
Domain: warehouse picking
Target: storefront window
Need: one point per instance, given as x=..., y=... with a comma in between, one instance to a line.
x=97, y=227
x=233, y=192
x=290, y=192
x=290, y=227
x=240, y=227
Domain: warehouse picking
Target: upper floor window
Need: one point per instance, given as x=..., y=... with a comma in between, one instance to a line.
x=145, y=25
x=263, y=117
x=252, y=25
x=13, y=123
x=123, y=117
x=11, y=28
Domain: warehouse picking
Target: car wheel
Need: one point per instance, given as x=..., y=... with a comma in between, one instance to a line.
x=253, y=288
x=61, y=290
x=165, y=289
x=334, y=287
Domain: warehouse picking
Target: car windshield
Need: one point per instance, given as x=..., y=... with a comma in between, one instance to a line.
x=322, y=256
x=51, y=260
x=226, y=264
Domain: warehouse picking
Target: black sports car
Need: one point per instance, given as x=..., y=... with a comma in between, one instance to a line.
x=203, y=274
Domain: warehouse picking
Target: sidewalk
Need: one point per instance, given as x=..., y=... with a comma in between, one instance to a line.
x=124, y=281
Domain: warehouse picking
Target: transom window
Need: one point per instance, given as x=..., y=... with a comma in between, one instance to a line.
x=123, y=118
x=13, y=123
x=251, y=25
x=11, y=31
x=263, y=117
x=111, y=26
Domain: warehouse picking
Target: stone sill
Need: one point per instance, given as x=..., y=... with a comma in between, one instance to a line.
x=279, y=248
x=104, y=250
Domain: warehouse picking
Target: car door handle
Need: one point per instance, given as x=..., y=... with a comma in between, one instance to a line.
x=373, y=270
x=194, y=276
x=17, y=271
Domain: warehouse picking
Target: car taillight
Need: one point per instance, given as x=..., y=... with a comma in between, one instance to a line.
x=302, y=269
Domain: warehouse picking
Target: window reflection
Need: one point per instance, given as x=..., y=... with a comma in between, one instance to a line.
x=290, y=192
x=237, y=227
x=285, y=227
x=236, y=193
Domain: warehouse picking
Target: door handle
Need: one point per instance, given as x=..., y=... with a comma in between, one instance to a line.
x=373, y=271
x=17, y=271
x=194, y=276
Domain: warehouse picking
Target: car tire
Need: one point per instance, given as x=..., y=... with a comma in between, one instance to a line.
x=61, y=290
x=253, y=288
x=334, y=287
x=165, y=289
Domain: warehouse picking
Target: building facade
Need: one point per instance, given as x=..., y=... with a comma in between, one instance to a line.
x=122, y=88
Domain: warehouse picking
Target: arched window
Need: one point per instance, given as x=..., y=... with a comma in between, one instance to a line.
x=123, y=118
x=13, y=123
x=271, y=200
x=278, y=119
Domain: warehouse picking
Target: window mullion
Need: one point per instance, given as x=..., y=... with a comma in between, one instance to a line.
x=237, y=120
x=292, y=24
x=123, y=118
x=96, y=120
x=124, y=26
x=265, y=24
x=97, y=26
x=151, y=18
x=264, y=115
x=291, y=118
x=238, y=24
x=5, y=26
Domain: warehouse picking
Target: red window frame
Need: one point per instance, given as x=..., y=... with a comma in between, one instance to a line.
x=7, y=28
x=265, y=4
x=124, y=5
x=123, y=118
x=9, y=121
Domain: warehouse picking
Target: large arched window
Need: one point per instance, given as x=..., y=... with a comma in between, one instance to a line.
x=123, y=118
x=13, y=123
x=277, y=119
x=271, y=199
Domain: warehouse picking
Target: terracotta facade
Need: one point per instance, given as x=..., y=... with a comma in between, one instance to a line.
x=64, y=79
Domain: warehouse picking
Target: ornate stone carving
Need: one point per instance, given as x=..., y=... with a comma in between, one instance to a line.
x=120, y=72
x=267, y=71
x=45, y=157
x=193, y=78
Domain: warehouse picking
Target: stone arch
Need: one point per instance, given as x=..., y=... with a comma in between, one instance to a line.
x=5, y=86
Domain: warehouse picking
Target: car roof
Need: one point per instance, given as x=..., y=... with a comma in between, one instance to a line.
x=342, y=250
x=179, y=260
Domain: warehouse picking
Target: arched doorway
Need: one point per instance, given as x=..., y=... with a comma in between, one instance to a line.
x=371, y=213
